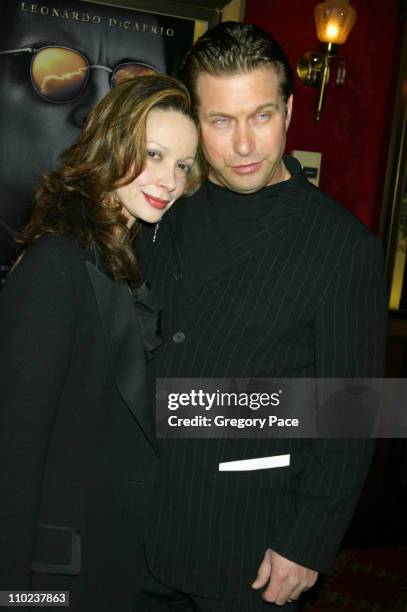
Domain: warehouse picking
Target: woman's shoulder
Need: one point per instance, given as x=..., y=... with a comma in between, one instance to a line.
x=64, y=250
x=58, y=246
x=50, y=257
x=47, y=274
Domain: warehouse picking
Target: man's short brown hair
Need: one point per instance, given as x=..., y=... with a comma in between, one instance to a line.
x=234, y=48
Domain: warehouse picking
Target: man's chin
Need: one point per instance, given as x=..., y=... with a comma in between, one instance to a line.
x=243, y=184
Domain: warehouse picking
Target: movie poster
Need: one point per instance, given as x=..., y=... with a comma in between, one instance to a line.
x=58, y=59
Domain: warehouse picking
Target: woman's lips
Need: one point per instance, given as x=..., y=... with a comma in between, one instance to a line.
x=156, y=202
x=247, y=168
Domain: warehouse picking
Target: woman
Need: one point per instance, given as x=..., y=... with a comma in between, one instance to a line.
x=77, y=452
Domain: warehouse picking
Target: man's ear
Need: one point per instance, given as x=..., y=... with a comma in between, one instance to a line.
x=288, y=111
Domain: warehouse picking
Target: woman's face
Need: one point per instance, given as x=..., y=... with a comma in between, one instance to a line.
x=171, y=144
x=33, y=132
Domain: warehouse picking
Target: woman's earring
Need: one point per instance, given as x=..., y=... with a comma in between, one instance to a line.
x=155, y=231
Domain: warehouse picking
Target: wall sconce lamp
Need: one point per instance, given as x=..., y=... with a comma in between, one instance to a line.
x=334, y=19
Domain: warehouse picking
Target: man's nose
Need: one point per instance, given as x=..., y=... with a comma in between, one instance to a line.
x=96, y=88
x=244, y=141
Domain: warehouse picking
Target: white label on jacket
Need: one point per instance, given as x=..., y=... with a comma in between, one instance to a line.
x=262, y=463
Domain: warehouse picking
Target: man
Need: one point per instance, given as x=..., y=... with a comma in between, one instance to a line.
x=263, y=276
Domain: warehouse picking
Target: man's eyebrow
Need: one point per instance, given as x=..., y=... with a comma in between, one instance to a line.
x=216, y=113
x=266, y=105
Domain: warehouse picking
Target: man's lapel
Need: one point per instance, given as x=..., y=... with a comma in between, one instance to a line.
x=125, y=346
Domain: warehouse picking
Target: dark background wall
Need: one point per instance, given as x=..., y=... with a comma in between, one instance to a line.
x=353, y=134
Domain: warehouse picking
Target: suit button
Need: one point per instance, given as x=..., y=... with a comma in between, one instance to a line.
x=178, y=277
x=178, y=337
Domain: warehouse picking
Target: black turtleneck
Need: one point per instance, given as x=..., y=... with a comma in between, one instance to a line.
x=219, y=218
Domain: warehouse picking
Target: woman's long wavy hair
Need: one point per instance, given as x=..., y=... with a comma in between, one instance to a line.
x=110, y=152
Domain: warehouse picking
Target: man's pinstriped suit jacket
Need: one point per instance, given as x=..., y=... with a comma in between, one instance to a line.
x=301, y=296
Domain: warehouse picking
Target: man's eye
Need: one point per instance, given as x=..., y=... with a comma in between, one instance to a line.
x=153, y=154
x=220, y=122
x=264, y=116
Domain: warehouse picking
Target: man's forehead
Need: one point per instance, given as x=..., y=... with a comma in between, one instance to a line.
x=261, y=74
x=247, y=89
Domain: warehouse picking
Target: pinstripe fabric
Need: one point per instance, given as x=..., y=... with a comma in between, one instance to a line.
x=302, y=296
x=153, y=596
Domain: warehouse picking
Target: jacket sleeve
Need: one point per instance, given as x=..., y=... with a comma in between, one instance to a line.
x=350, y=331
x=37, y=323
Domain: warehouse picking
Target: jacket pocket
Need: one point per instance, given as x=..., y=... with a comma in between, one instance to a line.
x=57, y=550
x=260, y=463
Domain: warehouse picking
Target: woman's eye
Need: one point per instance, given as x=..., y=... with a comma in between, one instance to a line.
x=153, y=154
x=184, y=167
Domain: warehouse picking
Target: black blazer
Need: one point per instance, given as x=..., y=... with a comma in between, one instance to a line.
x=302, y=295
x=7, y=249
x=77, y=450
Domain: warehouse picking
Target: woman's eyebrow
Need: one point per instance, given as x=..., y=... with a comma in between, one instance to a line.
x=157, y=143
